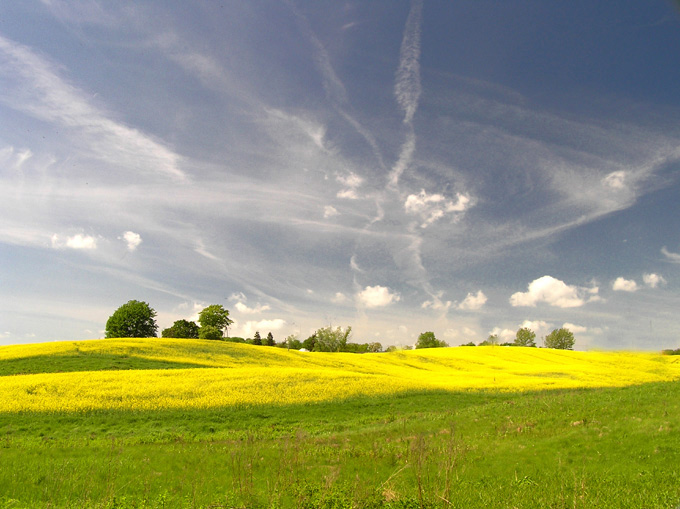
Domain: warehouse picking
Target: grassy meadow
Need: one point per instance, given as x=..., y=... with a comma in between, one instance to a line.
x=150, y=423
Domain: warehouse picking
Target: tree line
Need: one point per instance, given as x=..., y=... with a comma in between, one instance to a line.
x=136, y=319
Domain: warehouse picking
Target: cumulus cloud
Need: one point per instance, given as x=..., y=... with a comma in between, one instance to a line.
x=624, y=285
x=250, y=327
x=351, y=182
x=653, y=280
x=576, y=329
x=132, y=239
x=540, y=327
x=329, y=211
x=78, y=241
x=432, y=207
x=473, y=302
x=377, y=296
x=242, y=308
x=505, y=335
x=674, y=257
x=551, y=291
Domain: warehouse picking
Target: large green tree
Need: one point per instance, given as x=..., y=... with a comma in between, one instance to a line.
x=134, y=319
x=270, y=340
x=562, y=339
x=329, y=339
x=428, y=340
x=181, y=329
x=310, y=343
x=210, y=332
x=525, y=337
x=214, y=316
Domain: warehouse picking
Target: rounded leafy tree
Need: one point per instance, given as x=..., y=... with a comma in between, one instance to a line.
x=428, y=340
x=525, y=337
x=181, y=329
x=134, y=319
x=213, y=317
x=562, y=339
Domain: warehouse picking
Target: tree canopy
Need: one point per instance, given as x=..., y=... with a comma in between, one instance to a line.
x=428, y=340
x=181, y=329
x=332, y=340
x=215, y=316
x=492, y=340
x=525, y=337
x=562, y=339
x=134, y=319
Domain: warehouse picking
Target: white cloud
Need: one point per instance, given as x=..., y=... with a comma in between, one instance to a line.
x=437, y=304
x=674, y=257
x=576, y=329
x=432, y=207
x=624, y=285
x=78, y=241
x=329, y=211
x=473, y=302
x=407, y=87
x=339, y=298
x=242, y=308
x=653, y=280
x=540, y=327
x=377, y=296
x=615, y=180
x=263, y=326
x=351, y=181
x=240, y=297
x=348, y=194
x=133, y=240
x=505, y=335
x=551, y=291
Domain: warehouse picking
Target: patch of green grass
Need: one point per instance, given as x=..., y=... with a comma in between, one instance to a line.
x=84, y=361
x=607, y=448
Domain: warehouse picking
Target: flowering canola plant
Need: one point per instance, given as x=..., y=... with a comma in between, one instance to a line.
x=229, y=375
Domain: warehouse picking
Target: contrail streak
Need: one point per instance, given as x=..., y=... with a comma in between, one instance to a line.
x=407, y=87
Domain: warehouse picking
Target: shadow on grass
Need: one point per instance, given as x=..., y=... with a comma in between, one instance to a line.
x=85, y=362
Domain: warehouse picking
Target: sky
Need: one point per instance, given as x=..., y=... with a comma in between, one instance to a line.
x=466, y=168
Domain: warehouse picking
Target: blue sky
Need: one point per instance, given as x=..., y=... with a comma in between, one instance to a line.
x=461, y=167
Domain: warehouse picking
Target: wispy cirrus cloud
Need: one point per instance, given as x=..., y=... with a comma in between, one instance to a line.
x=407, y=87
x=33, y=85
x=670, y=255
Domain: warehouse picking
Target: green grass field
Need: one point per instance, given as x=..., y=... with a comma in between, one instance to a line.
x=607, y=447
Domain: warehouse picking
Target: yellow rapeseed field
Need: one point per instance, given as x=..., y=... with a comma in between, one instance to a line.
x=229, y=374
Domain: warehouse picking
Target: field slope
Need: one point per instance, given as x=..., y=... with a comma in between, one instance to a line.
x=191, y=423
